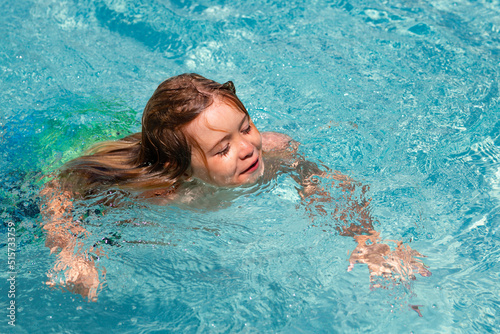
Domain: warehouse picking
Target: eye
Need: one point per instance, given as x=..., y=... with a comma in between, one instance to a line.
x=247, y=129
x=224, y=151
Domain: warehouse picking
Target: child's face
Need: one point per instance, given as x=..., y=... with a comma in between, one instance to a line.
x=231, y=144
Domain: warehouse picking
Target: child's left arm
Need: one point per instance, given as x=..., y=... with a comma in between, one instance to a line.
x=400, y=264
x=274, y=142
x=351, y=215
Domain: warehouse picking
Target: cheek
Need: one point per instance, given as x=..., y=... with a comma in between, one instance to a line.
x=198, y=167
x=215, y=168
x=258, y=140
x=224, y=165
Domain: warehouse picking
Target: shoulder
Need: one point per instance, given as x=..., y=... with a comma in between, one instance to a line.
x=277, y=142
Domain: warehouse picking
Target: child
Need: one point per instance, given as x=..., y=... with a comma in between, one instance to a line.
x=195, y=134
x=193, y=128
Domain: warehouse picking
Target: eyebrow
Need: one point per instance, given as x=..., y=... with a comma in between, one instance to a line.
x=227, y=136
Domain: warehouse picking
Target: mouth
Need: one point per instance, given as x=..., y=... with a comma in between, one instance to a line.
x=253, y=167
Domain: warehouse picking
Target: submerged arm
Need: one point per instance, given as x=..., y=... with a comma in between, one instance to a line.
x=65, y=235
x=351, y=216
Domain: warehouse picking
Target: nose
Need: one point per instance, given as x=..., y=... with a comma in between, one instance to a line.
x=246, y=149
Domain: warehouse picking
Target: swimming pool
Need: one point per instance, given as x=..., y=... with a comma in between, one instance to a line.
x=400, y=95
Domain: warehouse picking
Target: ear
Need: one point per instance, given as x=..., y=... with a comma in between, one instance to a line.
x=188, y=175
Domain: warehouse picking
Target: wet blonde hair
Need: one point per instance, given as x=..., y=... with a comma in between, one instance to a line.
x=160, y=155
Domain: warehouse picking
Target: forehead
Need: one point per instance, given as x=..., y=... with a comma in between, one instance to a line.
x=214, y=123
x=219, y=115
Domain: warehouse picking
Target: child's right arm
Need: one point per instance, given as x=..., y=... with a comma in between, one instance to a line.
x=63, y=234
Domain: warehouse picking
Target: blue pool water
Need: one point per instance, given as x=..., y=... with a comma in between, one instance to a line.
x=402, y=96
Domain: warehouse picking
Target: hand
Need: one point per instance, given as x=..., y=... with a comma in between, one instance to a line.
x=400, y=264
x=80, y=274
